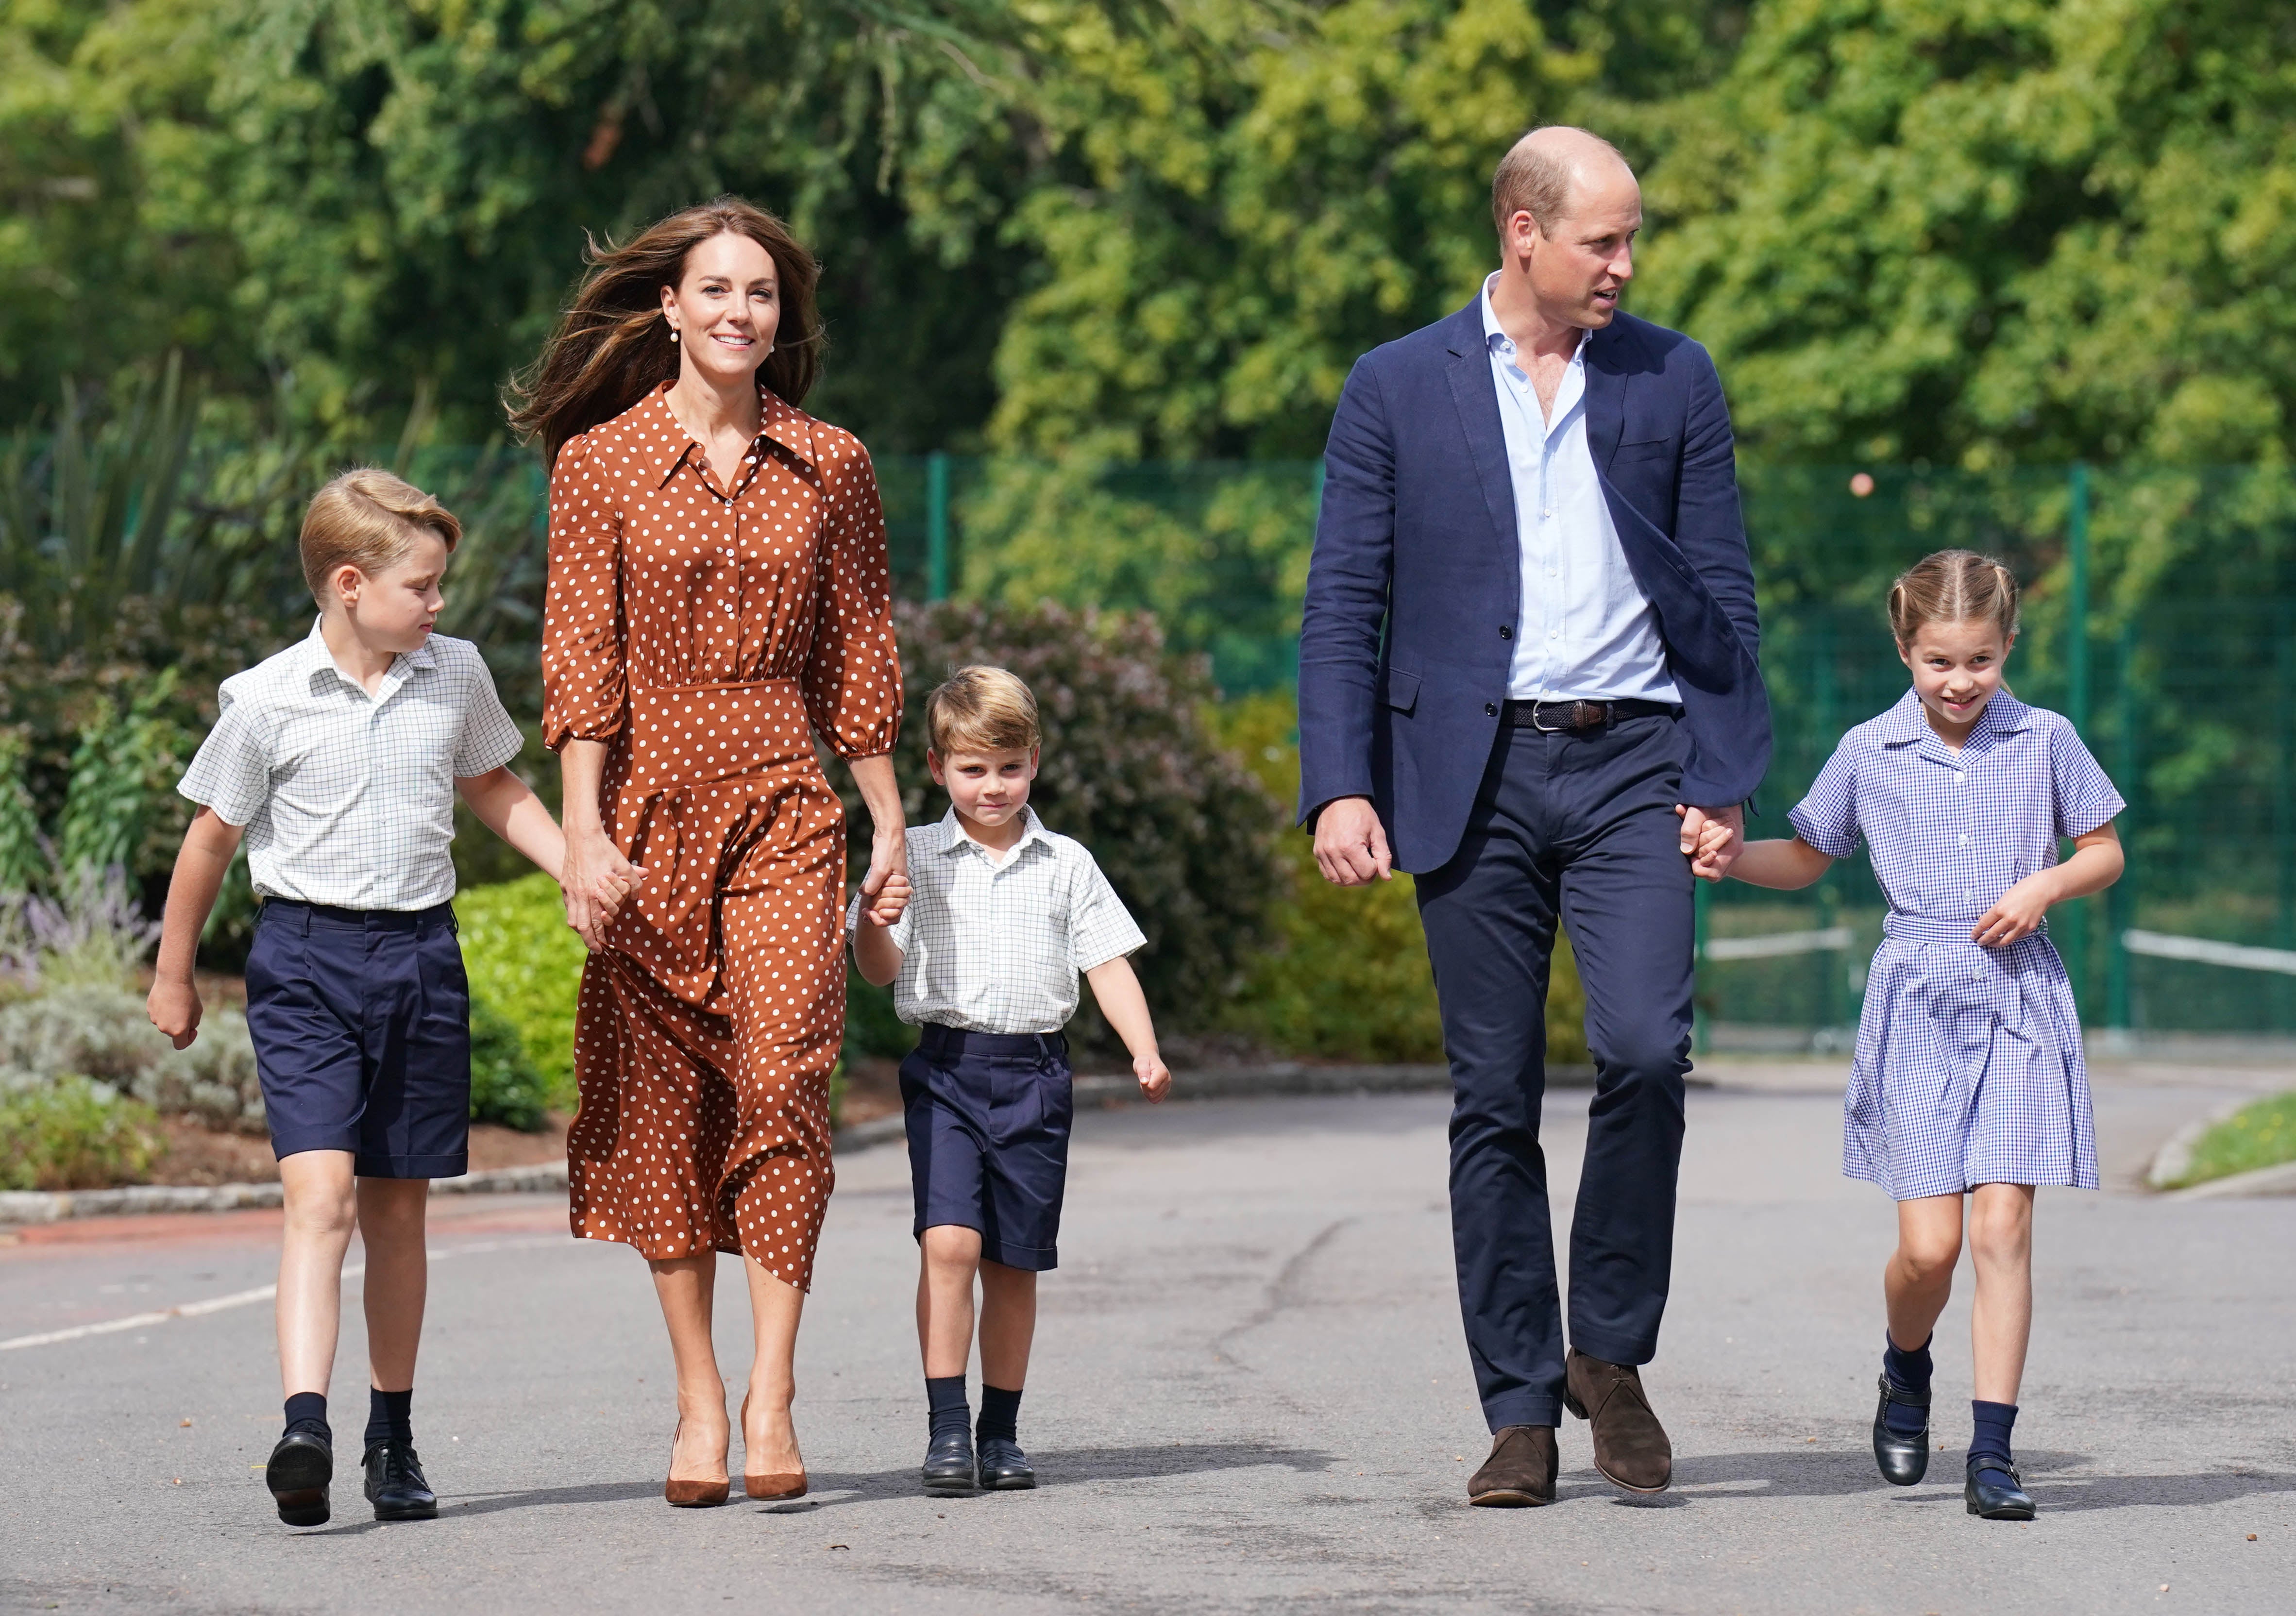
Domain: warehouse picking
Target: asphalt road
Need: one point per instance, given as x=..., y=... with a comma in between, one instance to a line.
x=1251, y=1394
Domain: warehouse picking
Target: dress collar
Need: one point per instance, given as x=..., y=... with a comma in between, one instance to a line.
x=2004, y=715
x=662, y=443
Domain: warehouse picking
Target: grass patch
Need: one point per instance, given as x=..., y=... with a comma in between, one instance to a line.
x=2262, y=1135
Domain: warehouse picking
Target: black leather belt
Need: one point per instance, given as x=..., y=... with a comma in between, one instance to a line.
x=1557, y=718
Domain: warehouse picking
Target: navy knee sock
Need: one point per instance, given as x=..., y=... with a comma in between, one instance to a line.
x=388, y=1414
x=945, y=1400
x=1990, y=1441
x=1910, y=1370
x=1000, y=1413
x=307, y=1411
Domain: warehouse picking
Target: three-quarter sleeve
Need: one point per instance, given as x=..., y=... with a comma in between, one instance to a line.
x=1827, y=818
x=583, y=648
x=852, y=677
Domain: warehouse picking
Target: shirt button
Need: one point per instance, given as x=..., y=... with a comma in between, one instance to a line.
x=1505, y=632
x=1491, y=709
x=1960, y=775
x=1554, y=633
x=1964, y=841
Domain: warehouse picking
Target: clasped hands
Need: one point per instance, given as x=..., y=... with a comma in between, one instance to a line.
x=596, y=881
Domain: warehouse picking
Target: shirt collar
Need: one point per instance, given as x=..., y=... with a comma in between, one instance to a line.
x=2004, y=715
x=317, y=657
x=959, y=837
x=1495, y=335
x=662, y=443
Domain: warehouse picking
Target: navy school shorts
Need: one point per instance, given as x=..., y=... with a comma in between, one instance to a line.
x=988, y=1118
x=361, y=1019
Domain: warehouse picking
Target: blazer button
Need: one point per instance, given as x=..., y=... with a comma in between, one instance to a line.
x=1491, y=709
x=1506, y=631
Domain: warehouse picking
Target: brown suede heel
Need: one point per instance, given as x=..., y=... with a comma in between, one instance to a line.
x=693, y=1495
x=1630, y=1446
x=1520, y=1473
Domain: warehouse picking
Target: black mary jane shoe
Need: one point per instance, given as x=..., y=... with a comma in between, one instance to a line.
x=395, y=1484
x=1995, y=1491
x=948, y=1462
x=1003, y=1467
x=300, y=1468
x=1904, y=1456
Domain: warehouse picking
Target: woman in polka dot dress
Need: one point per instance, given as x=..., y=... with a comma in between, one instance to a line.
x=719, y=596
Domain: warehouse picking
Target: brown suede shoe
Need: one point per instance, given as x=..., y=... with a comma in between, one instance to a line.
x=1630, y=1446
x=1519, y=1472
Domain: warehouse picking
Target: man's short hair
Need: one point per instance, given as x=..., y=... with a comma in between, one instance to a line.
x=981, y=709
x=368, y=519
x=1534, y=179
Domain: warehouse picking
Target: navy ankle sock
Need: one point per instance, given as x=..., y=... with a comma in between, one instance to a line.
x=1000, y=1413
x=945, y=1400
x=1989, y=1442
x=388, y=1413
x=1912, y=1370
x=307, y=1411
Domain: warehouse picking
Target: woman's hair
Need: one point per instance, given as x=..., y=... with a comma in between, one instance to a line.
x=982, y=709
x=1953, y=587
x=370, y=519
x=613, y=346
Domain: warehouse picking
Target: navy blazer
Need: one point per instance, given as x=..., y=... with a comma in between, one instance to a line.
x=1415, y=587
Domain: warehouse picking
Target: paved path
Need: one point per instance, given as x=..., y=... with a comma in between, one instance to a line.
x=1251, y=1396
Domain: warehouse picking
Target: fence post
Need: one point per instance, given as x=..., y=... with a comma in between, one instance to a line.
x=936, y=526
x=2121, y=898
x=2075, y=928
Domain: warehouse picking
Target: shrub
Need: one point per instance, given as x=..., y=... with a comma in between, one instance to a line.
x=100, y=1031
x=1347, y=977
x=525, y=965
x=1130, y=769
x=505, y=1086
x=75, y=1134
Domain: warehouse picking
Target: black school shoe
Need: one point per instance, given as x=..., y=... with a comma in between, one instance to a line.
x=948, y=1462
x=302, y=1466
x=1997, y=1492
x=1904, y=1456
x=395, y=1484
x=1003, y=1467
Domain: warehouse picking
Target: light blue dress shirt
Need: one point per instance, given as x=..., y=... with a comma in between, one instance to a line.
x=1586, y=632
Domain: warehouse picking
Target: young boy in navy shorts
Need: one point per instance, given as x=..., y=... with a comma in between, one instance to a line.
x=1002, y=917
x=338, y=761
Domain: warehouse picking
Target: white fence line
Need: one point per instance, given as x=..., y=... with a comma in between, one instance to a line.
x=2206, y=951
x=1772, y=945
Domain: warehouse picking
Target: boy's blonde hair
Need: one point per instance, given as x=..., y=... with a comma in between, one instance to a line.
x=1953, y=587
x=982, y=709
x=368, y=519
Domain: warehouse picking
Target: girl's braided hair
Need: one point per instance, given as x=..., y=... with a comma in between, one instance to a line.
x=1953, y=587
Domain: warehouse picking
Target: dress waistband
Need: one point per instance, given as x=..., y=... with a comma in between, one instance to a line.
x=691, y=735
x=1901, y=927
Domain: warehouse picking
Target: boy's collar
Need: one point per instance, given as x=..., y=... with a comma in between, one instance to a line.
x=322, y=655
x=1032, y=829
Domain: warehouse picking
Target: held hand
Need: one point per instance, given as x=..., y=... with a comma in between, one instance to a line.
x=2018, y=914
x=1711, y=839
x=1155, y=1076
x=595, y=881
x=888, y=856
x=891, y=899
x=174, y=1007
x=1351, y=844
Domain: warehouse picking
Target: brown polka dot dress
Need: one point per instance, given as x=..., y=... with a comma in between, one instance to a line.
x=706, y=634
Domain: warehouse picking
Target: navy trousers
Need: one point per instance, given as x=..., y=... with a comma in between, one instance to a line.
x=1580, y=826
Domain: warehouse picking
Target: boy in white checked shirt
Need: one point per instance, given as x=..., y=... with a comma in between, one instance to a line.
x=339, y=760
x=1003, y=917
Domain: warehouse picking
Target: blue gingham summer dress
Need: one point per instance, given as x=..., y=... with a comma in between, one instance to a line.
x=1969, y=1066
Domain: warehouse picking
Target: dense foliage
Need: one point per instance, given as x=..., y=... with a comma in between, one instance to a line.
x=1962, y=230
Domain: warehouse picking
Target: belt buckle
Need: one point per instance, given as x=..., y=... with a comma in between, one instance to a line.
x=1584, y=715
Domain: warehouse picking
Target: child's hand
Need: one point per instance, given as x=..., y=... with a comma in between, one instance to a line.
x=174, y=1007
x=1155, y=1076
x=1713, y=836
x=2019, y=912
x=891, y=899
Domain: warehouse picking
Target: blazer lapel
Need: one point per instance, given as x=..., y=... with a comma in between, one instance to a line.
x=1606, y=397
x=1476, y=395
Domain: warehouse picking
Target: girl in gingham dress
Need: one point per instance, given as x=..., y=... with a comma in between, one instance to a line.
x=1968, y=1078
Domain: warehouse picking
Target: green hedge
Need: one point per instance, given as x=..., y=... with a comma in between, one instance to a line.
x=525, y=967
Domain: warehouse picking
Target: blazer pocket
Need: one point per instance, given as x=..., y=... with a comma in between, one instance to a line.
x=1402, y=690
x=1654, y=448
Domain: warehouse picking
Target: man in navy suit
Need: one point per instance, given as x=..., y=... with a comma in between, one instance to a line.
x=1527, y=676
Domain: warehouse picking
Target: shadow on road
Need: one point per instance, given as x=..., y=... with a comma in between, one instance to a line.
x=2052, y=1476
x=1069, y=1467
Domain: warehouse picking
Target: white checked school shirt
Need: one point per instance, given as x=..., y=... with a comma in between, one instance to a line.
x=1585, y=632
x=1948, y=831
x=348, y=799
x=996, y=948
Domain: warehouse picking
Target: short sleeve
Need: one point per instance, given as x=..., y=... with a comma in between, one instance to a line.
x=490, y=737
x=1099, y=927
x=2084, y=797
x=898, y=931
x=852, y=677
x=1827, y=818
x=231, y=772
x=582, y=647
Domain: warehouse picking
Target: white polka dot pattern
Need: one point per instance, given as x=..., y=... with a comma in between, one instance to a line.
x=706, y=634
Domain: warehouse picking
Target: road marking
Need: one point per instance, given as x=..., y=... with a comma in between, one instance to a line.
x=240, y=1299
